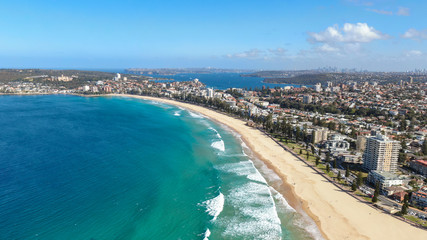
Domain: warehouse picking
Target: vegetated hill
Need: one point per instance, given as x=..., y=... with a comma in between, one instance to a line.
x=304, y=79
x=8, y=75
x=270, y=74
x=44, y=76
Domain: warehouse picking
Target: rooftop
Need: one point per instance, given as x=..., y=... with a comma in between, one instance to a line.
x=387, y=175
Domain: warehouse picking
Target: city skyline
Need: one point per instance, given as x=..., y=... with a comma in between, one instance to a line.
x=379, y=35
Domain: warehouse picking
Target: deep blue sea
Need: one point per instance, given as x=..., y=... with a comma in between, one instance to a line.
x=120, y=168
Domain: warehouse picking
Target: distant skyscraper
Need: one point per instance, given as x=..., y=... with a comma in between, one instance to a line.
x=381, y=154
x=210, y=92
x=117, y=77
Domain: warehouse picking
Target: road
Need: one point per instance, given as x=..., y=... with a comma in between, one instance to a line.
x=398, y=206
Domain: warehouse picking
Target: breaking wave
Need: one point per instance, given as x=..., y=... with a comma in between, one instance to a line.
x=195, y=115
x=219, y=145
x=214, y=206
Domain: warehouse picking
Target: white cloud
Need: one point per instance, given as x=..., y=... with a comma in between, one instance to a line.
x=403, y=11
x=413, y=53
x=253, y=53
x=327, y=48
x=259, y=54
x=279, y=52
x=361, y=2
x=415, y=34
x=349, y=33
x=379, y=11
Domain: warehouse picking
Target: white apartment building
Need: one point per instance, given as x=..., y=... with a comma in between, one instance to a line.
x=381, y=154
x=385, y=179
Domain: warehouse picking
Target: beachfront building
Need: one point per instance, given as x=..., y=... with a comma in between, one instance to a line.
x=419, y=166
x=381, y=154
x=385, y=179
x=320, y=135
x=337, y=143
x=419, y=197
x=347, y=157
x=210, y=93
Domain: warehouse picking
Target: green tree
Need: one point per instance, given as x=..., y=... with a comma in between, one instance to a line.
x=403, y=144
x=328, y=157
x=405, y=205
x=283, y=126
x=402, y=125
x=331, y=125
x=297, y=134
x=339, y=176
x=347, y=172
x=353, y=133
x=376, y=193
x=404, y=209
x=327, y=167
x=402, y=157
x=359, y=179
x=300, y=151
x=268, y=122
x=354, y=186
x=334, y=163
x=424, y=147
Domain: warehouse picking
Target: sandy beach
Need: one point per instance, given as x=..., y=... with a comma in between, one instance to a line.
x=337, y=214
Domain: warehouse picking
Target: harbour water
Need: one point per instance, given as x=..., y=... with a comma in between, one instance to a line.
x=224, y=80
x=121, y=168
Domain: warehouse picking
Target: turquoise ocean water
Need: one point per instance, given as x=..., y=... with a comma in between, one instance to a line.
x=121, y=168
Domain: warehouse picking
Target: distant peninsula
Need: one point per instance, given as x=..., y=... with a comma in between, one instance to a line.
x=174, y=71
x=312, y=77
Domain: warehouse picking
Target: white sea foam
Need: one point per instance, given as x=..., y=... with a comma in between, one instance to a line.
x=244, y=145
x=243, y=168
x=214, y=206
x=234, y=155
x=217, y=133
x=279, y=198
x=256, y=216
x=308, y=224
x=256, y=213
x=207, y=234
x=195, y=115
x=162, y=105
x=177, y=113
x=219, y=145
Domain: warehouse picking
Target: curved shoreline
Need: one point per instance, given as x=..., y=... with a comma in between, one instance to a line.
x=337, y=215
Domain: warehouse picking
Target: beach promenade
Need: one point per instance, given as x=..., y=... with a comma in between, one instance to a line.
x=337, y=214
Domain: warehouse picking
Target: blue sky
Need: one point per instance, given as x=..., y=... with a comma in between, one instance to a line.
x=386, y=35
